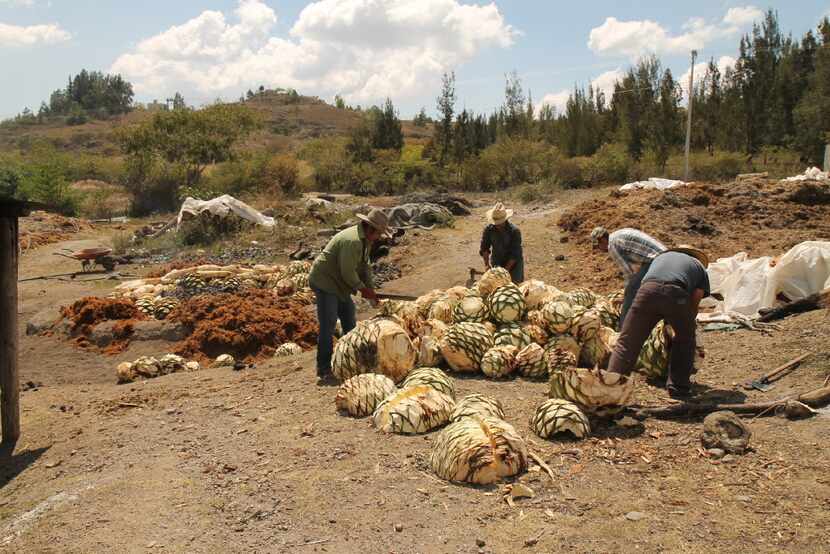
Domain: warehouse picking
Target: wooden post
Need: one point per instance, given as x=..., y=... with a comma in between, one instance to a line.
x=827, y=158
x=9, y=380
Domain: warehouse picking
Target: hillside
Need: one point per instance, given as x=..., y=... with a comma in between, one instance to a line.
x=286, y=120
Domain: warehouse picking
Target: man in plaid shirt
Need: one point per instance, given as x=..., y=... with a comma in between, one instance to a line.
x=632, y=251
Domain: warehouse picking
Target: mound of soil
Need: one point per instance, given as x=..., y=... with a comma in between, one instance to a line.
x=248, y=325
x=760, y=217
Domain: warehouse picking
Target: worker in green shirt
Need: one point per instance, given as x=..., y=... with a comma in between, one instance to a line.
x=342, y=269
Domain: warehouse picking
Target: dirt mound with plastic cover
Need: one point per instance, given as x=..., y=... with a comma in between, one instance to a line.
x=249, y=325
x=757, y=216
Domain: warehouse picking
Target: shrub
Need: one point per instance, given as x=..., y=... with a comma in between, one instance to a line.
x=570, y=173
x=9, y=183
x=282, y=172
x=720, y=167
x=507, y=163
x=610, y=165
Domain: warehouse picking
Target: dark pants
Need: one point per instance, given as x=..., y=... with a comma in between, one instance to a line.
x=330, y=308
x=631, y=288
x=656, y=301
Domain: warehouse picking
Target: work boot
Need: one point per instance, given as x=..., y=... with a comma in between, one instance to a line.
x=679, y=393
x=326, y=380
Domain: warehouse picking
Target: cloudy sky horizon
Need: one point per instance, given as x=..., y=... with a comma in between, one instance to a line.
x=365, y=50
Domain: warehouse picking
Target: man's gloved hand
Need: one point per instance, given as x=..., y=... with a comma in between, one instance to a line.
x=369, y=294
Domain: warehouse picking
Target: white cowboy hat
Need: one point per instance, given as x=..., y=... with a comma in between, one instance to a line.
x=498, y=214
x=377, y=219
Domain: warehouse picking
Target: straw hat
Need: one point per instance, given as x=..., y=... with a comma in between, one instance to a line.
x=377, y=219
x=498, y=214
x=695, y=253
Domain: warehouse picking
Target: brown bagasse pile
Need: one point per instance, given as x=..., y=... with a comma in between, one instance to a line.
x=759, y=216
x=86, y=313
x=248, y=325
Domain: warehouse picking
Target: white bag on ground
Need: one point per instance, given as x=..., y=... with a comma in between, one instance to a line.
x=751, y=284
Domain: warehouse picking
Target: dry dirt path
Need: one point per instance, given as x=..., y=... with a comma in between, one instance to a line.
x=258, y=460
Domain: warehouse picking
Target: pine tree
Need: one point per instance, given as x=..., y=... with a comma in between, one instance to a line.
x=664, y=131
x=446, y=111
x=812, y=114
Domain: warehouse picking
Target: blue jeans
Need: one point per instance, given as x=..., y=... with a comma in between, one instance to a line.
x=330, y=308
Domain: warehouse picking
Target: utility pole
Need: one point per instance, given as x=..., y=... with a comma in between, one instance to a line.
x=689, y=119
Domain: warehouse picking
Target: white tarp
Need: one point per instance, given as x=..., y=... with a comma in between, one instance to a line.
x=222, y=206
x=811, y=174
x=653, y=183
x=750, y=284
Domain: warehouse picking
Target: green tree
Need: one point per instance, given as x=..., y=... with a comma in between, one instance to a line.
x=387, y=133
x=515, y=116
x=664, y=131
x=183, y=143
x=812, y=114
x=339, y=103
x=178, y=102
x=421, y=119
x=446, y=111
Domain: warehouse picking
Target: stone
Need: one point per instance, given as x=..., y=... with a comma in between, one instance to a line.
x=634, y=516
x=103, y=334
x=716, y=453
x=398, y=527
x=42, y=320
x=725, y=431
x=480, y=543
x=158, y=330
x=560, y=258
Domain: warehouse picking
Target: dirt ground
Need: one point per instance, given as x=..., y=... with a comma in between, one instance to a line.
x=259, y=461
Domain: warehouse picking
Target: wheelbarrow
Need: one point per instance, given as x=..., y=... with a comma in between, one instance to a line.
x=90, y=257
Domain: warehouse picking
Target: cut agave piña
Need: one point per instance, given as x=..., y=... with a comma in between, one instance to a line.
x=360, y=395
x=413, y=410
x=480, y=450
x=556, y=415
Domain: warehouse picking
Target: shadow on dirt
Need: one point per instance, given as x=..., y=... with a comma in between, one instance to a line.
x=12, y=465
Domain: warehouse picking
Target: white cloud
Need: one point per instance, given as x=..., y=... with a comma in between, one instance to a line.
x=15, y=36
x=723, y=63
x=26, y=3
x=742, y=16
x=361, y=49
x=636, y=38
x=604, y=82
x=556, y=100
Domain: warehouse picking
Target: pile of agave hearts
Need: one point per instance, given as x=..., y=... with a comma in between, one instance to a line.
x=157, y=296
x=498, y=329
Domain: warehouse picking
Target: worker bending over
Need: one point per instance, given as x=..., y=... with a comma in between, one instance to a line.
x=671, y=290
x=501, y=243
x=632, y=251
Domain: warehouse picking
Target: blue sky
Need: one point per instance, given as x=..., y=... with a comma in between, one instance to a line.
x=363, y=49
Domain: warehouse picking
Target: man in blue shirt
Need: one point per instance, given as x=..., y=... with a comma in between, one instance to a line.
x=671, y=290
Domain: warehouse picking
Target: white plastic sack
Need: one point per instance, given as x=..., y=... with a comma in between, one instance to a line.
x=811, y=174
x=653, y=183
x=751, y=284
x=222, y=206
